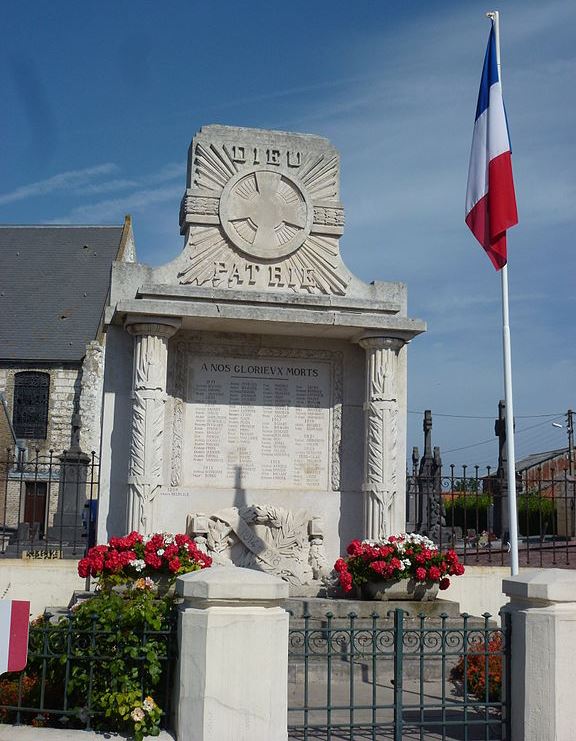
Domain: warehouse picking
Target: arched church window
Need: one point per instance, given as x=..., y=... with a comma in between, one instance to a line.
x=30, y=411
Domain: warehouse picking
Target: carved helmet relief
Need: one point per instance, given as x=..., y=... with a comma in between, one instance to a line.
x=262, y=211
x=263, y=537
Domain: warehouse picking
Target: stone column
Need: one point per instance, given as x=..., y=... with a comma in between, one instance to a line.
x=149, y=396
x=543, y=671
x=384, y=504
x=232, y=673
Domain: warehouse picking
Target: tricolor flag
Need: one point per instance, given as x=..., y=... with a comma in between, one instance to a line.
x=14, y=615
x=490, y=198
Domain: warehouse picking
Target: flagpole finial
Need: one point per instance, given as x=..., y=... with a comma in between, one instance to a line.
x=491, y=14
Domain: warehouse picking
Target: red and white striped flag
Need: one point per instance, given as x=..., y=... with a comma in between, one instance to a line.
x=490, y=197
x=14, y=616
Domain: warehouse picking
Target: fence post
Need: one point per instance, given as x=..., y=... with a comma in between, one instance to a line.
x=232, y=674
x=543, y=671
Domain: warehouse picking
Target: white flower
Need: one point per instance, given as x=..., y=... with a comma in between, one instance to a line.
x=139, y=564
x=168, y=539
x=137, y=714
x=148, y=704
x=160, y=551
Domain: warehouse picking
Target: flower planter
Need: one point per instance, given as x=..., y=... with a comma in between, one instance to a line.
x=400, y=589
x=164, y=584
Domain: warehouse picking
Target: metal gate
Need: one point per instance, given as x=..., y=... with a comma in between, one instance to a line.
x=399, y=677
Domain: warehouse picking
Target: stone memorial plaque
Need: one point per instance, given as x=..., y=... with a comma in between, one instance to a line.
x=258, y=423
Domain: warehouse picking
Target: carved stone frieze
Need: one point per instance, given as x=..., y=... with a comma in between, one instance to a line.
x=329, y=216
x=264, y=537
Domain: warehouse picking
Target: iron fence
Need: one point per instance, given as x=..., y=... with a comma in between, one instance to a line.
x=467, y=509
x=398, y=678
x=68, y=669
x=48, y=503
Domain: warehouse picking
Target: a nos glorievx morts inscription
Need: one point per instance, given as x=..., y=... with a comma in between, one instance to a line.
x=262, y=423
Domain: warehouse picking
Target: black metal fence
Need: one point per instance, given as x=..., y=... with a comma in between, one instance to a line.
x=398, y=678
x=467, y=509
x=68, y=668
x=48, y=503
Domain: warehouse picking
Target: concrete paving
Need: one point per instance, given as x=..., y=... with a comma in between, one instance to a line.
x=381, y=726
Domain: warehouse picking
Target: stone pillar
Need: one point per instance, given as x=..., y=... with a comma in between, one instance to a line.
x=543, y=671
x=232, y=674
x=149, y=396
x=384, y=504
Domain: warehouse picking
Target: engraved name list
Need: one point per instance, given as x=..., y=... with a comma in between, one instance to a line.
x=259, y=423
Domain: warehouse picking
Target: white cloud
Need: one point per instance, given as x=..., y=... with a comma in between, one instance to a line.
x=110, y=209
x=63, y=181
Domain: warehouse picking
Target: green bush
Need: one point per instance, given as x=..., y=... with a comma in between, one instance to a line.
x=468, y=511
x=536, y=514
x=117, y=645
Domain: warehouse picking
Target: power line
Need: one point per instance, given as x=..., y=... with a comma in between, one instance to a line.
x=474, y=416
x=492, y=439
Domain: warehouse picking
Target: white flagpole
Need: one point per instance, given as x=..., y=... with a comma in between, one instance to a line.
x=510, y=454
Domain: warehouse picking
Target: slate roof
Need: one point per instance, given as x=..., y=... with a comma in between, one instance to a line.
x=54, y=281
x=536, y=459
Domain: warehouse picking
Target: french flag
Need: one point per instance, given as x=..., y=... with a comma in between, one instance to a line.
x=14, y=616
x=490, y=198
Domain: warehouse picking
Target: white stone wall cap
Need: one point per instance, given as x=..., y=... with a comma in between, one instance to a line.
x=551, y=585
x=231, y=583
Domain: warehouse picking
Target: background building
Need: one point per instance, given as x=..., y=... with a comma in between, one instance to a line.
x=54, y=284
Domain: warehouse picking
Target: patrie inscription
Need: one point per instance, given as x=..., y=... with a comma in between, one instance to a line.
x=259, y=424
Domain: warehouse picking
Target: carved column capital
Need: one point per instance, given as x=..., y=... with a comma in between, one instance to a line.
x=153, y=326
x=375, y=342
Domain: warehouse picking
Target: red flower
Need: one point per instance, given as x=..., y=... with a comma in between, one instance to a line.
x=380, y=567
x=174, y=564
x=346, y=581
x=434, y=573
x=444, y=583
x=341, y=565
x=420, y=574
x=84, y=568
x=355, y=548
x=152, y=560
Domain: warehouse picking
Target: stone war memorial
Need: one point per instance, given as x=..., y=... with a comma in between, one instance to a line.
x=254, y=389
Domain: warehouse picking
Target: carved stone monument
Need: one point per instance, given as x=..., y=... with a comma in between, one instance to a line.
x=255, y=373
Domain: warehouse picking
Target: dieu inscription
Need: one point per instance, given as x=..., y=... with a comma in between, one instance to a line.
x=258, y=424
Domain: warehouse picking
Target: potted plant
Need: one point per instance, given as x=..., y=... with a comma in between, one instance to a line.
x=159, y=557
x=405, y=566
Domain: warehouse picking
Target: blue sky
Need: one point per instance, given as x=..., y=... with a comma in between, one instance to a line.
x=100, y=102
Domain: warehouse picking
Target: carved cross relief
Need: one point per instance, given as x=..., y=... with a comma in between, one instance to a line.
x=266, y=211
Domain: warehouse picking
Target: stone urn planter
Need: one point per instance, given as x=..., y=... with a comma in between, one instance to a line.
x=400, y=589
x=164, y=584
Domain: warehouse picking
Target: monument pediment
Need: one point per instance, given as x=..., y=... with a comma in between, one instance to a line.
x=262, y=212
x=262, y=220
